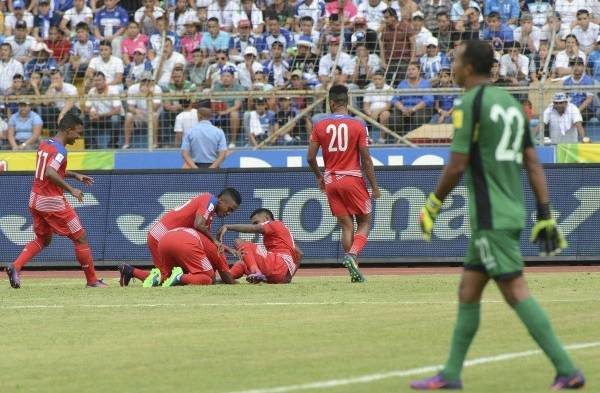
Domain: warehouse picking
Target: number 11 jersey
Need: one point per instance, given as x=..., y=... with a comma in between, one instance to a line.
x=50, y=154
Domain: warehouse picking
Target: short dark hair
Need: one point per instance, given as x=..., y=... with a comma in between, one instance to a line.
x=572, y=36
x=105, y=43
x=270, y=15
x=307, y=18
x=582, y=11
x=391, y=11
x=339, y=94
x=233, y=194
x=442, y=13
x=69, y=121
x=494, y=14
x=6, y=44
x=262, y=210
x=479, y=55
x=213, y=19
x=99, y=73
x=82, y=26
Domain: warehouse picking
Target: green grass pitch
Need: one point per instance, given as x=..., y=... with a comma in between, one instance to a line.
x=60, y=337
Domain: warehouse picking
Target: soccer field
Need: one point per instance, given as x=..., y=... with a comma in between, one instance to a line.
x=319, y=333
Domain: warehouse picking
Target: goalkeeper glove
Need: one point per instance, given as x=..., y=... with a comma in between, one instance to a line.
x=546, y=234
x=429, y=213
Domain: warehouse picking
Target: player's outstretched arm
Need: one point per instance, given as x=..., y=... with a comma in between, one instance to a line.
x=200, y=225
x=59, y=181
x=367, y=165
x=244, y=228
x=311, y=158
x=88, y=181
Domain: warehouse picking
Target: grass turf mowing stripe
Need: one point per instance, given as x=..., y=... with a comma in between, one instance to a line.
x=407, y=373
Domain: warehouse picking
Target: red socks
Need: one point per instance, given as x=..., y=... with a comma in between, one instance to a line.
x=31, y=250
x=238, y=270
x=140, y=274
x=196, y=279
x=248, y=258
x=358, y=244
x=84, y=256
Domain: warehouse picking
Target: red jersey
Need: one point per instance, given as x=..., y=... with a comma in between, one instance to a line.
x=277, y=238
x=218, y=261
x=340, y=137
x=204, y=204
x=45, y=195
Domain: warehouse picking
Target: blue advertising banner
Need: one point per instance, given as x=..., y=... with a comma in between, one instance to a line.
x=120, y=207
x=295, y=158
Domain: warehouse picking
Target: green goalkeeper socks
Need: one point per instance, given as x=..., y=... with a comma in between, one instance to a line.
x=538, y=325
x=467, y=323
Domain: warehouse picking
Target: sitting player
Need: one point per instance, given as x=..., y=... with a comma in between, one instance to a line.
x=196, y=213
x=187, y=257
x=275, y=265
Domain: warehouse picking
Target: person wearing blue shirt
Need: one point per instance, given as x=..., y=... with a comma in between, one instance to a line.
x=215, y=39
x=204, y=145
x=24, y=128
x=496, y=30
x=41, y=62
x=508, y=10
x=412, y=111
x=266, y=120
x=275, y=33
x=110, y=21
x=583, y=100
x=593, y=62
x=44, y=19
x=444, y=103
x=433, y=61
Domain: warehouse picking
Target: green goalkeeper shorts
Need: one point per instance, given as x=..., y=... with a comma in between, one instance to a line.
x=496, y=253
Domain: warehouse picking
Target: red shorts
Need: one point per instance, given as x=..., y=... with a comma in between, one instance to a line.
x=272, y=265
x=348, y=196
x=180, y=248
x=65, y=223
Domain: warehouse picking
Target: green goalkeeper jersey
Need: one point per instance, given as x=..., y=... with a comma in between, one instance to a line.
x=490, y=126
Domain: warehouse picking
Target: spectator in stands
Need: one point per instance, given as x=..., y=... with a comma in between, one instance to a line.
x=349, y=10
x=372, y=11
x=83, y=49
x=196, y=70
x=187, y=119
x=568, y=10
x=514, y=65
x=443, y=32
x=73, y=16
x=378, y=106
x=18, y=89
x=431, y=9
x=537, y=63
x=433, y=61
x=422, y=35
x=55, y=110
x=315, y=9
x=147, y=17
x=297, y=82
x=539, y=10
x=495, y=78
x=586, y=31
x=111, y=66
x=167, y=62
x=248, y=68
x=305, y=61
x=24, y=128
x=364, y=34
x=190, y=39
x=215, y=39
x=366, y=64
x=156, y=39
x=496, y=31
x=43, y=20
x=110, y=23
x=308, y=33
x=582, y=99
x=214, y=70
x=412, y=111
x=178, y=85
x=593, y=62
x=228, y=115
x=204, y=145
x=275, y=33
x=277, y=68
x=41, y=62
x=19, y=15
x=103, y=117
x=556, y=27
x=284, y=12
x=224, y=12
x=404, y=8
x=242, y=41
x=251, y=13
x=297, y=131
x=9, y=67
x=132, y=40
x=21, y=43
x=527, y=35
x=571, y=51
x=59, y=46
x=137, y=108
x=182, y=14
x=261, y=122
x=328, y=61
x=139, y=65
x=333, y=28
x=458, y=11
x=444, y=103
x=508, y=10
x=473, y=28
x=562, y=121
x=398, y=45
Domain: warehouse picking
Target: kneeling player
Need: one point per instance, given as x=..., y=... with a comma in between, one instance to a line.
x=187, y=257
x=276, y=264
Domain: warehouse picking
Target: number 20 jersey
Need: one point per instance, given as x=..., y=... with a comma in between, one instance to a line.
x=340, y=137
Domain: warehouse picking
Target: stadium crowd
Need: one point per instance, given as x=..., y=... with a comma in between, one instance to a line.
x=87, y=49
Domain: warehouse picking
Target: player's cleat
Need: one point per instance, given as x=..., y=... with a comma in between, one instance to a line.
x=126, y=272
x=97, y=284
x=13, y=276
x=256, y=278
x=349, y=263
x=576, y=381
x=435, y=383
x=174, y=278
x=153, y=279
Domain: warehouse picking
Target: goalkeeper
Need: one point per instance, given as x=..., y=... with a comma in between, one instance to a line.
x=491, y=142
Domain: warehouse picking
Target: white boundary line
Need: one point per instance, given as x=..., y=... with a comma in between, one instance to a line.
x=265, y=304
x=406, y=373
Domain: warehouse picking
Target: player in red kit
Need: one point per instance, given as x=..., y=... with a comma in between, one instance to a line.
x=196, y=213
x=277, y=261
x=343, y=140
x=50, y=211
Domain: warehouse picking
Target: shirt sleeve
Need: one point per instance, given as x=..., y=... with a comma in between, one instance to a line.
x=222, y=142
x=186, y=142
x=178, y=126
x=363, y=140
x=207, y=209
x=314, y=135
x=56, y=159
x=36, y=119
x=268, y=228
x=462, y=122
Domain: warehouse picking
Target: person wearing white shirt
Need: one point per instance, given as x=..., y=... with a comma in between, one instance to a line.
x=585, y=31
x=53, y=113
x=527, y=34
x=539, y=10
x=562, y=121
x=103, y=117
x=422, y=35
x=378, y=106
x=146, y=16
x=514, y=65
x=111, y=66
x=137, y=108
x=165, y=68
x=19, y=14
x=21, y=43
x=327, y=63
x=568, y=9
x=184, y=121
x=224, y=11
x=79, y=13
x=9, y=67
x=372, y=11
x=248, y=67
x=571, y=51
x=249, y=11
